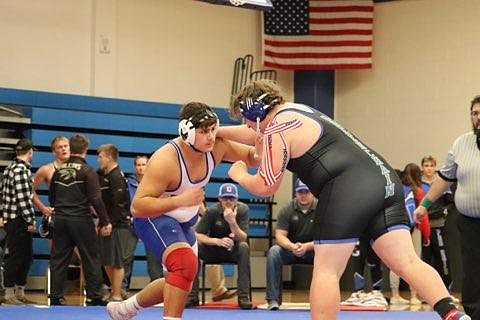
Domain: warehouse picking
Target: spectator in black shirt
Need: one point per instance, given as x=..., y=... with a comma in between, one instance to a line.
x=113, y=248
x=222, y=236
x=19, y=219
x=73, y=189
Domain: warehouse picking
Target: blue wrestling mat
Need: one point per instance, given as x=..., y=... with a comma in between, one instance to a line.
x=100, y=313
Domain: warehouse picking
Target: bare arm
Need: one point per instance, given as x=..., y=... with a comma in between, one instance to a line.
x=233, y=151
x=239, y=133
x=238, y=233
x=436, y=190
x=204, y=239
x=41, y=176
x=283, y=241
x=94, y=196
x=273, y=164
x=161, y=173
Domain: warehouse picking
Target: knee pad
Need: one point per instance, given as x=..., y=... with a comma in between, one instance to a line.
x=182, y=266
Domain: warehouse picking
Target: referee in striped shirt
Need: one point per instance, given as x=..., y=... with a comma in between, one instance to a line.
x=463, y=166
x=18, y=216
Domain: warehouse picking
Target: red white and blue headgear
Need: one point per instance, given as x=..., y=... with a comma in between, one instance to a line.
x=255, y=109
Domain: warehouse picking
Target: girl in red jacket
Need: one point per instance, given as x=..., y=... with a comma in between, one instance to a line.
x=412, y=177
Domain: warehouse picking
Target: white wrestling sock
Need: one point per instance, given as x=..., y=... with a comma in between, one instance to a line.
x=171, y=318
x=131, y=304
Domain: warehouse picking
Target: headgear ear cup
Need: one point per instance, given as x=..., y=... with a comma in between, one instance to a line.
x=254, y=109
x=186, y=127
x=186, y=130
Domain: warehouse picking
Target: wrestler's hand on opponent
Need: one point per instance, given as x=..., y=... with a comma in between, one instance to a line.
x=191, y=197
x=258, y=148
x=419, y=213
x=237, y=170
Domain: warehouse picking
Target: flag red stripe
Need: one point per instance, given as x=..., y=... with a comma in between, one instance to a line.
x=340, y=32
x=340, y=20
x=299, y=55
x=355, y=43
x=318, y=66
x=342, y=9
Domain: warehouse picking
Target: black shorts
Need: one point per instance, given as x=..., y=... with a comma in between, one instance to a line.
x=113, y=249
x=346, y=211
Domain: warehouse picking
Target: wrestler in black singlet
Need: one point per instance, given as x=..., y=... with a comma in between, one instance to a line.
x=358, y=192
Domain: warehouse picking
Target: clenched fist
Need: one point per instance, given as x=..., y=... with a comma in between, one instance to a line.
x=192, y=197
x=237, y=169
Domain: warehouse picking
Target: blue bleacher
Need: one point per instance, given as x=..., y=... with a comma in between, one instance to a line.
x=135, y=127
x=41, y=249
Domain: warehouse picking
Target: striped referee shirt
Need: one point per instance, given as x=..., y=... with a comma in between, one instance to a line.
x=463, y=165
x=16, y=188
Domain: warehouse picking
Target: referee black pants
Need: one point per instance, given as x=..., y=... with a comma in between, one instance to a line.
x=436, y=254
x=470, y=243
x=20, y=252
x=69, y=233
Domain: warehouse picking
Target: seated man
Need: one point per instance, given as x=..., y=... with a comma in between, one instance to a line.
x=214, y=275
x=294, y=240
x=222, y=237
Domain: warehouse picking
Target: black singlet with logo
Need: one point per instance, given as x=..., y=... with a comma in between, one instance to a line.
x=358, y=191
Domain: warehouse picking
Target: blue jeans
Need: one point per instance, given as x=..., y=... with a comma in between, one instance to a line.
x=277, y=257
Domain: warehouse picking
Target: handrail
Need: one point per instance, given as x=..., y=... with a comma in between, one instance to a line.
x=15, y=112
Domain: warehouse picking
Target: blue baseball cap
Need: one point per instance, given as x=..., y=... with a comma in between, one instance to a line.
x=300, y=186
x=228, y=190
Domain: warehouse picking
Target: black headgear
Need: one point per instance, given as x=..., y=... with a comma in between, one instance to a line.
x=186, y=127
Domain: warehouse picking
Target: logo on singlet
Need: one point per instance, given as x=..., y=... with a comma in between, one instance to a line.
x=390, y=186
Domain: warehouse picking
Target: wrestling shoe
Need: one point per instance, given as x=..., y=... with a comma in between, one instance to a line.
x=118, y=311
x=455, y=314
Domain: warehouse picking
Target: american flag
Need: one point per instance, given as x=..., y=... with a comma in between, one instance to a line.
x=318, y=34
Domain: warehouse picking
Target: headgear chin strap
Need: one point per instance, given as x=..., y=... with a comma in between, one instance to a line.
x=186, y=127
x=255, y=109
